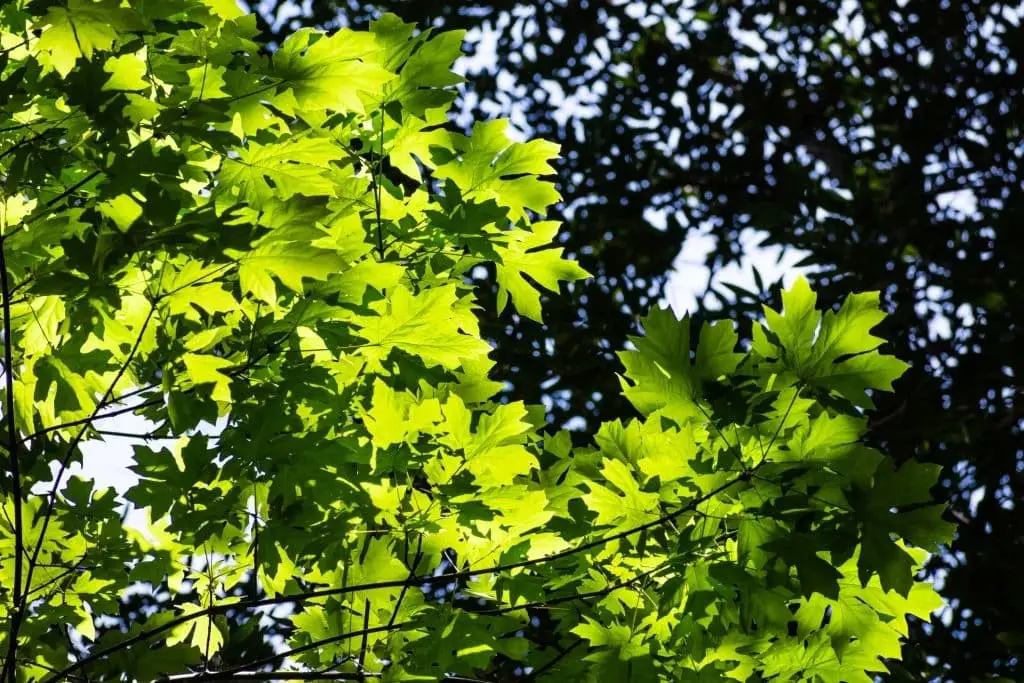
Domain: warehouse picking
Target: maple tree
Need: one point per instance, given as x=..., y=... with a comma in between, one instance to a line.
x=203, y=233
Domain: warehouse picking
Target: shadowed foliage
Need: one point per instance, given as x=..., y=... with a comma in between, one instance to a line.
x=265, y=254
x=888, y=148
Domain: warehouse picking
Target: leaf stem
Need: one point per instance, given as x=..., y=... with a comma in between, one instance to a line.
x=376, y=184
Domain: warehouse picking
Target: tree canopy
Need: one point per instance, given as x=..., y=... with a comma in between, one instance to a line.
x=267, y=255
x=879, y=138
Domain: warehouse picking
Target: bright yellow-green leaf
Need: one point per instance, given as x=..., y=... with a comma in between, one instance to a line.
x=201, y=633
x=207, y=369
x=127, y=72
x=262, y=173
x=428, y=325
x=526, y=255
x=12, y=210
x=625, y=503
x=836, y=352
x=328, y=72
x=123, y=210
x=716, y=351
x=79, y=29
x=489, y=156
x=289, y=262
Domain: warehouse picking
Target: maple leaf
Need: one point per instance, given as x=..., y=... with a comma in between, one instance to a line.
x=80, y=29
x=333, y=72
x=290, y=262
x=428, y=325
x=525, y=255
x=660, y=376
x=127, y=72
x=262, y=173
x=207, y=369
x=838, y=352
x=494, y=452
x=491, y=166
x=616, y=636
x=426, y=73
x=630, y=507
x=882, y=516
x=415, y=140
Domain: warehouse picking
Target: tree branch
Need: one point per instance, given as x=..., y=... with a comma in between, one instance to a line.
x=265, y=676
x=92, y=418
x=412, y=580
x=315, y=645
x=366, y=638
x=51, y=503
x=578, y=596
x=536, y=673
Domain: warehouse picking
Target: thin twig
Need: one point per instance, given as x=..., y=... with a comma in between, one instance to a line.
x=536, y=673
x=540, y=604
x=408, y=582
x=366, y=639
x=271, y=659
x=376, y=186
x=263, y=676
x=782, y=422
x=8, y=672
x=51, y=503
x=450, y=576
x=412, y=580
x=90, y=419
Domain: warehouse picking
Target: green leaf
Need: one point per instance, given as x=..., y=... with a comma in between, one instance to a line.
x=880, y=510
x=262, y=173
x=328, y=72
x=417, y=139
x=127, y=72
x=202, y=633
x=494, y=452
x=122, y=209
x=489, y=157
x=716, y=351
x=816, y=574
x=207, y=369
x=836, y=352
x=207, y=82
x=524, y=256
x=425, y=75
x=290, y=262
x=626, y=504
x=662, y=380
x=428, y=325
x=13, y=210
x=616, y=636
x=80, y=29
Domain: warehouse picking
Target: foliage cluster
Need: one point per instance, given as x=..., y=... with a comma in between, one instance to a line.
x=881, y=138
x=205, y=233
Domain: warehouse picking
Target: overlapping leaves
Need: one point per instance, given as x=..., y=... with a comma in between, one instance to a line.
x=263, y=255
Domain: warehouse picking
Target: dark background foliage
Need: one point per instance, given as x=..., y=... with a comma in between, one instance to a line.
x=726, y=117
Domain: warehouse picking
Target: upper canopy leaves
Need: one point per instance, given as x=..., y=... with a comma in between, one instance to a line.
x=836, y=352
x=275, y=246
